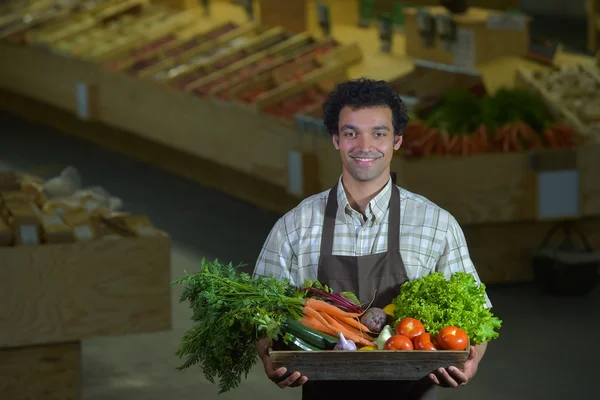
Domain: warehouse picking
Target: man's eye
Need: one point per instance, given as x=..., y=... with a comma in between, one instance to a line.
x=380, y=134
x=349, y=134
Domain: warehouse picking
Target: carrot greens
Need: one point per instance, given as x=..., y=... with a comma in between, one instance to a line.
x=231, y=311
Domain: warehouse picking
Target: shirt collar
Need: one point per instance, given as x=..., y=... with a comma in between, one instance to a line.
x=376, y=208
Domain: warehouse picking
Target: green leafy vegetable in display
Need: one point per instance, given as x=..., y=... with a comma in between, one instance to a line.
x=438, y=302
x=231, y=311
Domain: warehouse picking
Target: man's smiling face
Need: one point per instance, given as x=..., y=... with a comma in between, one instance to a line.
x=366, y=142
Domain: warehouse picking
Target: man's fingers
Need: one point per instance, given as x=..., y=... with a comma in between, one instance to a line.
x=277, y=374
x=446, y=379
x=459, y=376
x=300, y=382
x=289, y=380
x=434, y=379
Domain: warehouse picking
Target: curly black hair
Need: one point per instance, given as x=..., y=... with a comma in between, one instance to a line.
x=363, y=93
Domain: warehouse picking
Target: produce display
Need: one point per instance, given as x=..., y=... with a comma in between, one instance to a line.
x=167, y=51
x=464, y=124
x=231, y=81
x=232, y=310
x=34, y=211
x=287, y=108
x=576, y=89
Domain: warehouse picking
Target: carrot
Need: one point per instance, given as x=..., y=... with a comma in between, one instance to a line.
x=312, y=313
x=453, y=144
x=357, y=332
x=356, y=324
x=320, y=305
x=346, y=332
x=551, y=138
x=464, y=145
x=316, y=325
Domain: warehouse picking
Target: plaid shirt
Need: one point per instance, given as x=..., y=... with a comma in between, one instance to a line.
x=431, y=240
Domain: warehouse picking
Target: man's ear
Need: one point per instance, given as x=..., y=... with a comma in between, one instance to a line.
x=397, y=141
x=336, y=141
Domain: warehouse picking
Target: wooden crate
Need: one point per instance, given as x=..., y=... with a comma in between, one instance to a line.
x=293, y=78
x=184, y=45
x=104, y=36
x=239, y=80
x=181, y=26
x=82, y=21
x=148, y=50
x=261, y=59
x=219, y=58
x=123, y=33
x=376, y=365
x=57, y=293
x=49, y=372
x=479, y=39
x=526, y=79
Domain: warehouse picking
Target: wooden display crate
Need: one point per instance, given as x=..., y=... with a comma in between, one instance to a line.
x=102, y=37
x=259, y=60
x=376, y=365
x=50, y=372
x=83, y=21
x=590, y=129
x=185, y=46
x=239, y=79
x=180, y=25
x=290, y=79
x=90, y=288
x=151, y=48
x=219, y=58
x=481, y=36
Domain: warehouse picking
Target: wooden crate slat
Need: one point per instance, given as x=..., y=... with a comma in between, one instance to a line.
x=287, y=45
x=171, y=68
x=367, y=365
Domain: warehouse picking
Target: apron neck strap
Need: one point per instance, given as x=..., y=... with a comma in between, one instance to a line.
x=329, y=222
x=394, y=220
x=331, y=213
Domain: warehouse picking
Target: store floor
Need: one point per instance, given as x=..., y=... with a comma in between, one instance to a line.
x=547, y=350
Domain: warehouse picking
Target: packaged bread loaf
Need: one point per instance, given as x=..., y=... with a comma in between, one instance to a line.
x=79, y=220
x=55, y=230
x=24, y=220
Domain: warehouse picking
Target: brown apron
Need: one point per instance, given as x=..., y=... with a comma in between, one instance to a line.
x=377, y=275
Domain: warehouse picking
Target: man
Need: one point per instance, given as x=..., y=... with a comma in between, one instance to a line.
x=366, y=235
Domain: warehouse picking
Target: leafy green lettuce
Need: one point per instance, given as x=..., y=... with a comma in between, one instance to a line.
x=438, y=302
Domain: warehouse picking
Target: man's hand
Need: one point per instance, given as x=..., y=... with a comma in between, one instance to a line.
x=453, y=377
x=278, y=376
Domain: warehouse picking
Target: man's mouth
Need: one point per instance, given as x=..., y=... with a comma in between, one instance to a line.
x=364, y=161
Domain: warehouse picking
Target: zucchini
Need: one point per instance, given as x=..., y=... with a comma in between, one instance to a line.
x=297, y=344
x=311, y=336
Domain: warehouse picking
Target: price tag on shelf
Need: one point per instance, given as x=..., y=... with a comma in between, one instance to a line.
x=386, y=33
x=542, y=51
x=85, y=97
x=324, y=13
x=558, y=184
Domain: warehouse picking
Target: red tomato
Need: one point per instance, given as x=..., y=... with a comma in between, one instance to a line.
x=425, y=342
x=398, y=342
x=410, y=327
x=453, y=338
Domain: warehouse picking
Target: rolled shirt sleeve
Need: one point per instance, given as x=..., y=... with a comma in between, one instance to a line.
x=455, y=255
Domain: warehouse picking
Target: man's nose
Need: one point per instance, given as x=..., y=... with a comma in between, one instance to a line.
x=364, y=142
